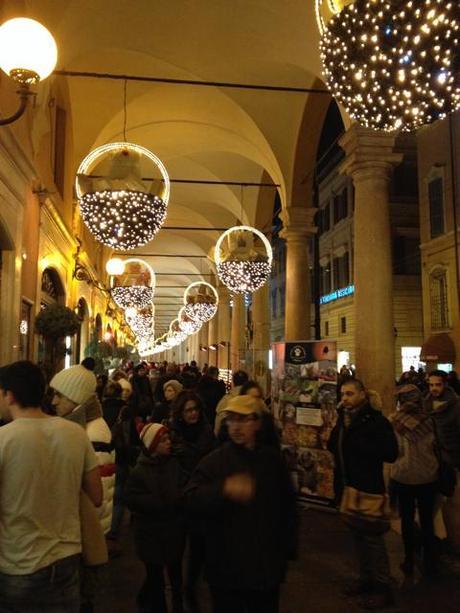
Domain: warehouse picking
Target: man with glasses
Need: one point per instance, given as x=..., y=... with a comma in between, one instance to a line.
x=243, y=493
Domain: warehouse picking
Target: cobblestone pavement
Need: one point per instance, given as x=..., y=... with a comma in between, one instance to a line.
x=313, y=584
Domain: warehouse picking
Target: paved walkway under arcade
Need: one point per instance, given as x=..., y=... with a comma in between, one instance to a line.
x=314, y=581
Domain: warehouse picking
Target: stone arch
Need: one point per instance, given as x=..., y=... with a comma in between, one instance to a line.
x=314, y=115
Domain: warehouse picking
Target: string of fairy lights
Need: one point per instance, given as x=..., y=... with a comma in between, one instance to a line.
x=393, y=65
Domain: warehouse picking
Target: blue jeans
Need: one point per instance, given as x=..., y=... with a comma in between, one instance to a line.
x=53, y=589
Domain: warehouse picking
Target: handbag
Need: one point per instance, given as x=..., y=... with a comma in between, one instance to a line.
x=447, y=476
x=368, y=513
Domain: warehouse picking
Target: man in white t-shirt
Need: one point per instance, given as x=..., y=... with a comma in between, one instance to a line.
x=45, y=462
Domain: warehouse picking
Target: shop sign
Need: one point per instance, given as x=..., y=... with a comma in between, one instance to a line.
x=339, y=293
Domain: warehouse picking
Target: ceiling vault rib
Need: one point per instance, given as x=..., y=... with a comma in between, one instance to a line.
x=205, y=182
x=223, y=84
x=158, y=255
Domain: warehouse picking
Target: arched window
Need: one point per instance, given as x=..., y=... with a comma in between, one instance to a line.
x=52, y=290
x=439, y=299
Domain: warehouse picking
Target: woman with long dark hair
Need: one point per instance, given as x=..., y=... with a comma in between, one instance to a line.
x=192, y=438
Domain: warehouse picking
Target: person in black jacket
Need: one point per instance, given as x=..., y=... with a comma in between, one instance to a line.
x=142, y=397
x=243, y=493
x=192, y=438
x=211, y=390
x=153, y=494
x=361, y=441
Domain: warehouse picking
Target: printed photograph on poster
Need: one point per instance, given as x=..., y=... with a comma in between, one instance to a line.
x=308, y=416
x=311, y=471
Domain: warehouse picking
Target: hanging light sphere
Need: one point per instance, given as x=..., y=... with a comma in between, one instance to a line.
x=187, y=324
x=176, y=332
x=118, y=208
x=138, y=295
x=132, y=295
x=201, y=301
x=142, y=323
x=243, y=259
x=394, y=65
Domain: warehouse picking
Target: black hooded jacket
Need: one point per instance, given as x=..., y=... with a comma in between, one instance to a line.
x=361, y=450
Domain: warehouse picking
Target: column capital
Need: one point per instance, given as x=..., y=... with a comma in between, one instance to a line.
x=369, y=151
x=223, y=292
x=298, y=222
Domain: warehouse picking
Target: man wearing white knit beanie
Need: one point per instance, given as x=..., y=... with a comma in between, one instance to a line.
x=75, y=399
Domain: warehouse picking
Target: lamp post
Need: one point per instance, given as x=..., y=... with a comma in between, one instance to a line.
x=28, y=54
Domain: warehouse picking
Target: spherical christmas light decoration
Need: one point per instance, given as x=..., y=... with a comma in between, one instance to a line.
x=176, y=332
x=142, y=323
x=241, y=265
x=187, y=324
x=135, y=295
x=394, y=65
x=201, y=301
x=126, y=296
x=119, y=210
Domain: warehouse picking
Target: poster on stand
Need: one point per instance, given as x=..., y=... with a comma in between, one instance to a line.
x=304, y=401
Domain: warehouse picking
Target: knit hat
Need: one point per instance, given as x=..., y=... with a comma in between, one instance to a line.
x=76, y=383
x=246, y=405
x=177, y=387
x=150, y=435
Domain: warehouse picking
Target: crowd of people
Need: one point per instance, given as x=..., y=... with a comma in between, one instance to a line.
x=199, y=468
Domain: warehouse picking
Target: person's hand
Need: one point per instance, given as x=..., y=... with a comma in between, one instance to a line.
x=239, y=488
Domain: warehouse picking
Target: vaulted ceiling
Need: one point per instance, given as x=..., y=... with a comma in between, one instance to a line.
x=205, y=133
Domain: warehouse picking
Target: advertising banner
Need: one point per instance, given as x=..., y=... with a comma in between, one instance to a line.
x=304, y=401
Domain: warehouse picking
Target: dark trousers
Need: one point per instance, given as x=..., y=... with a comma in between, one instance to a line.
x=53, y=589
x=152, y=598
x=374, y=567
x=421, y=498
x=195, y=560
x=245, y=601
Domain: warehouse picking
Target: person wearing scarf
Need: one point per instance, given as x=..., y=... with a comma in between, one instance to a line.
x=414, y=476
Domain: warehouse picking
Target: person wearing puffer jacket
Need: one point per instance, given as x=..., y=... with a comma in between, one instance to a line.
x=75, y=399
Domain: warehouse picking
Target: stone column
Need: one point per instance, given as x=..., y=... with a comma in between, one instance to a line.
x=237, y=342
x=261, y=335
x=369, y=161
x=298, y=226
x=213, y=339
x=224, y=327
x=203, y=341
